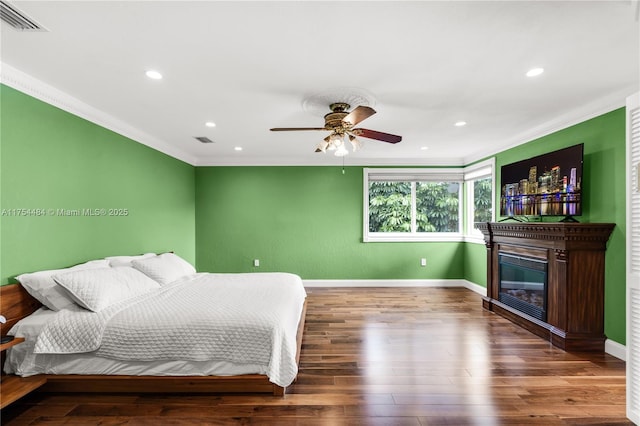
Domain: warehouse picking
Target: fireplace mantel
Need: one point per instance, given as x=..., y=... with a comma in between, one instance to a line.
x=575, y=287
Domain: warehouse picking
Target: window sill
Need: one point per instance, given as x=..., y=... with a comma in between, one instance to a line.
x=475, y=239
x=413, y=238
x=434, y=238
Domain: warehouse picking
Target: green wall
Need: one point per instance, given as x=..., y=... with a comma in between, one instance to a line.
x=603, y=196
x=475, y=263
x=306, y=220
x=54, y=160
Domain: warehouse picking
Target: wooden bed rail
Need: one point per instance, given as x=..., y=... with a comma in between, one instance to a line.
x=15, y=304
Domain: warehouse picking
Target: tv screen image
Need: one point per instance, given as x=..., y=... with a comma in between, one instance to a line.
x=547, y=185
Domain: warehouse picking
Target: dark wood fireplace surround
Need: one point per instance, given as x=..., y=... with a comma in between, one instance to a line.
x=575, y=253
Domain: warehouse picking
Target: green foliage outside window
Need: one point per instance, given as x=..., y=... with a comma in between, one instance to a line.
x=436, y=206
x=390, y=207
x=436, y=210
x=482, y=200
x=438, y=203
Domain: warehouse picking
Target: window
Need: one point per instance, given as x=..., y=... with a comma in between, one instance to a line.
x=413, y=204
x=481, y=192
x=427, y=204
x=480, y=198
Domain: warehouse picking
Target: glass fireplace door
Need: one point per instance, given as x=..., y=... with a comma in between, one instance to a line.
x=523, y=284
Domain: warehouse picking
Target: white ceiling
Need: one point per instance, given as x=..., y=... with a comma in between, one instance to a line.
x=248, y=66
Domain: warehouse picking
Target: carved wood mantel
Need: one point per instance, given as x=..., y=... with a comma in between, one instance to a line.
x=575, y=253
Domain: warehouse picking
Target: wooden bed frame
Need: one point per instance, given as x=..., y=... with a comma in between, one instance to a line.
x=16, y=303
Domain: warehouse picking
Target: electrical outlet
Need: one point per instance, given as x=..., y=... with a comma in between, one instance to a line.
x=256, y=262
x=423, y=261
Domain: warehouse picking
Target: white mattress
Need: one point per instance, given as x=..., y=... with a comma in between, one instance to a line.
x=22, y=360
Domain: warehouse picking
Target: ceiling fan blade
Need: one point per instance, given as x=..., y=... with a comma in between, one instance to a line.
x=373, y=134
x=292, y=129
x=359, y=114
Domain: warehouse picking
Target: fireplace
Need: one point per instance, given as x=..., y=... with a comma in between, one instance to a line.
x=572, y=256
x=522, y=284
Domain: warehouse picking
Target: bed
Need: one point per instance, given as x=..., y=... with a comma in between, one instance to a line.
x=200, y=333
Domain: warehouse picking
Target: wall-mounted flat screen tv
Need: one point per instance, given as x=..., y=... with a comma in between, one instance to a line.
x=546, y=185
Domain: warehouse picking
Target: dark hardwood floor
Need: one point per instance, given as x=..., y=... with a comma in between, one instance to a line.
x=387, y=356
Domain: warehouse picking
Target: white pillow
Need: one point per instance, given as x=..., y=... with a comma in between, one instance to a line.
x=96, y=289
x=126, y=260
x=164, y=268
x=42, y=287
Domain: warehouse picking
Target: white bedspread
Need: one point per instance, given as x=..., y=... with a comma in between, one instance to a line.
x=243, y=318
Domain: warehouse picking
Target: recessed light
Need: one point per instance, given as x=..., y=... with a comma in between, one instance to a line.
x=533, y=72
x=460, y=123
x=155, y=75
x=238, y=148
x=424, y=148
x=210, y=124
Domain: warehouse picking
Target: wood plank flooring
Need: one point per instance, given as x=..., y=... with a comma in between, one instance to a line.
x=386, y=356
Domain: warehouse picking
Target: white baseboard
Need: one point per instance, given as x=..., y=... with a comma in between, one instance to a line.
x=612, y=348
x=482, y=291
x=615, y=349
x=397, y=283
x=384, y=283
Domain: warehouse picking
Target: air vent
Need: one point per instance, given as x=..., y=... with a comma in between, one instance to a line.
x=17, y=19
x=203, y=139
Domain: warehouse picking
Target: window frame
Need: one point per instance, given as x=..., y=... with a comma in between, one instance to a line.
x=481, y=170
x=413, y=175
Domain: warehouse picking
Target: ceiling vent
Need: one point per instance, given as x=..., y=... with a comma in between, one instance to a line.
x=17, y=19
x=203, y=139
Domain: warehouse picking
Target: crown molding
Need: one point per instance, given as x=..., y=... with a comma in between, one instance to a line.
x=38, y=89
x=327, y=161
x=586, y=112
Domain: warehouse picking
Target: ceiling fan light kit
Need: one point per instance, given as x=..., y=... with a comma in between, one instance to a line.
x=340, y=123
x=338, y=143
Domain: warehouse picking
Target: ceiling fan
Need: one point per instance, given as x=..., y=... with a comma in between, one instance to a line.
x=340, y=123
